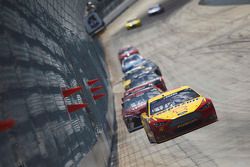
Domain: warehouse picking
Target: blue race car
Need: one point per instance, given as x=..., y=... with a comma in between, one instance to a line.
x=131, y=62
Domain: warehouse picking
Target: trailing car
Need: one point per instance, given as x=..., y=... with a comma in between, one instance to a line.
x=150, y=78
x=133, y=23
x=156, y=9
x=135, y=105
x=176, y=112
x=131, y=62
x=127, y=51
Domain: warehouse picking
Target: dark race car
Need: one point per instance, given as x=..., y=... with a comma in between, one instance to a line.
x=150, y=78
x=143, y=69
x=126, y=52
x=133, y=107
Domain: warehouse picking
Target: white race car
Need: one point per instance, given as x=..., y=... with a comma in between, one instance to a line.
x=156, y=9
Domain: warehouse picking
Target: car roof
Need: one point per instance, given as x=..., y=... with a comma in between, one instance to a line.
x=168, y=93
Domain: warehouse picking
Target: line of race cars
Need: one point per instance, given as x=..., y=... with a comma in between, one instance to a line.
x=164, y=114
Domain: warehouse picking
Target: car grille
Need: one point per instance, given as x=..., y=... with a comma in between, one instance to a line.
x=186, y=118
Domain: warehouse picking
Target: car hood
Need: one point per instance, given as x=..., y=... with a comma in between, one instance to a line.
x=135, y=111
x=183, y=109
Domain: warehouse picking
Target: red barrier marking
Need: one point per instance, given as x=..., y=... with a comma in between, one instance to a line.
x=96, y=89
x=74, y=107
x=7, y=124
x=71, y=91
x=96, y=97
x=91, y=82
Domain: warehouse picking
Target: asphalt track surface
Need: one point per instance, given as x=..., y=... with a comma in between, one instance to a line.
x=206, y=47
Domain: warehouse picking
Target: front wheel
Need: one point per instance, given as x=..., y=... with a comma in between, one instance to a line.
x=150, y=140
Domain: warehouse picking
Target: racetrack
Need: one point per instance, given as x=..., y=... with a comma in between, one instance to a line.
x=206, y=47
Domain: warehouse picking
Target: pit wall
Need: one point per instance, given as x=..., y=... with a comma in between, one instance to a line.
x=44, y=48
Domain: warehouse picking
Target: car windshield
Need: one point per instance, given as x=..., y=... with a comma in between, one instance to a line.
x=140, y=100
x=140, y=90
x=142, y=79
x=172, y=100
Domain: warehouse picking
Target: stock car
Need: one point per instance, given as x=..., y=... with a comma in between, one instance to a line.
x=175, y=113
x=135, y=105
x=143, y=69
x=131, y=62
x=127, y=51
x=150, y=78
x=156, y=9
x=133, y=23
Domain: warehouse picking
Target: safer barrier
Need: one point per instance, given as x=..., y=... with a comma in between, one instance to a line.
x=44, y=50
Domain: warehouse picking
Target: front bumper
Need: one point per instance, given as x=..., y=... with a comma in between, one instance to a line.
x=180, y=129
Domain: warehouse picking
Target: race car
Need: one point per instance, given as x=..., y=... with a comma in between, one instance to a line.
x=143, y=69
x=131, y=62
x=127, y=51
x=133, y=23
x=150, y=78
x=135, y=105
x=175, y=113
x=156, y=9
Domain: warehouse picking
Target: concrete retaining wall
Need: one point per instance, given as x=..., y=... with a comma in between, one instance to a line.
x=44, y=47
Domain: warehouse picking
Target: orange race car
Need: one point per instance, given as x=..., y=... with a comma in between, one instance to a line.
x=176, y=112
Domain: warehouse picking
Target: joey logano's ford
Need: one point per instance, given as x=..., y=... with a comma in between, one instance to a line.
x=176, y=112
